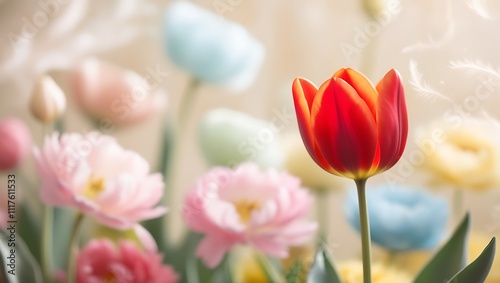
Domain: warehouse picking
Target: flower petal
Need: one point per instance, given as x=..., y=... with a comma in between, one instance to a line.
x=362, y=85
x=303, y=96
x=392, y=119
x=346, y=128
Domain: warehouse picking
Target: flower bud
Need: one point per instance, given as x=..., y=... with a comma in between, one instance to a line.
x=47, y=101
x=14, y=144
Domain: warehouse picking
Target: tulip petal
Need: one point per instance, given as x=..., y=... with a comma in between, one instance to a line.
x=303, y=96
x=362, y=85
x=346, y=127
x=392, y=119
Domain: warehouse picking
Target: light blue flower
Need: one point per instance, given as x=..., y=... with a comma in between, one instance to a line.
x=401, y=218
x=229, y=137
x=211, y=48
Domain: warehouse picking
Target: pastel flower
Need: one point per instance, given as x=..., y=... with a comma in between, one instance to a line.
x=212, y=49
x=402, y=218
x=263, y=209
x=352, y=272
x=48, y=101
x=101, y=261
x=15, y=143
x=299, y=163
x=229, y=137
x=119, y=96
x=350, y=127
x=97, y=176
x=464, y=155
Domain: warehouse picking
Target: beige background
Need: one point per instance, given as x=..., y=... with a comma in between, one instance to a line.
x=303, y=38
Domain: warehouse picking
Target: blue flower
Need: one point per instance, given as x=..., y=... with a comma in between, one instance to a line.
x=212, y=49
x=401, y=218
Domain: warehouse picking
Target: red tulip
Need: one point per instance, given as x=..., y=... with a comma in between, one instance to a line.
x=349, y=127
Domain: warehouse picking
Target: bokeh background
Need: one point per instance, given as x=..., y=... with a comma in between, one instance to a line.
x=310, y=39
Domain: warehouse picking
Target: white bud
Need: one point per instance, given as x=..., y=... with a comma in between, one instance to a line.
x=48, y=101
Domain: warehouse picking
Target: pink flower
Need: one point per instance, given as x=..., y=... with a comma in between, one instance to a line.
x=121, y=96
x=100, y=261
x=248, y=206
x=15, y=142
x=97, y=176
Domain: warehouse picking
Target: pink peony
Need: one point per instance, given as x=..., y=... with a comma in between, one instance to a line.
x=97, y=176
x=100, y=261
x=248, y=206
x=15, y=143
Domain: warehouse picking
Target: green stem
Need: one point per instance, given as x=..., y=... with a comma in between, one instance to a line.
x=458, y=205
x=365, y=230
x=73, y=248
x=268, y=268
x=47, y=243
x=46, y=248
x=169, y=157
x=322, y=214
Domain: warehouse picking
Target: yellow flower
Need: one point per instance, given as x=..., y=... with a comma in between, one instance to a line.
x=352, y=272
x=465, y=154
x=477, y=243
x=299, y=163
x=247, y=268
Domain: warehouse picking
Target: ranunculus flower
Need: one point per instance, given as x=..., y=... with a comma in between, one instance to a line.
x=15, y=143
x=101, y=261
x=402, y=218
x=97, y=176
x=352, y=272
x=349, y=127
x=120, y=96
x=299, y=163
x=247, y=206
x=211, y=48
x=464, y=155
x=229, y=137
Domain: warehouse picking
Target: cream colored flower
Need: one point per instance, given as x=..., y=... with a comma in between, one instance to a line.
x=300, y=164
x=352, y=272
x=465, y=154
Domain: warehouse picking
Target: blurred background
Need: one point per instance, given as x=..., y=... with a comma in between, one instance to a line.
x=430, y=43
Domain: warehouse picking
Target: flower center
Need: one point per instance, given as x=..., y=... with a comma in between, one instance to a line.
x=110, y=278
x=245, y=208
x=94, y=187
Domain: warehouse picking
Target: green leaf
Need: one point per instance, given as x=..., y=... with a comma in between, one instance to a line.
x=322, y=270
x=29, y=225
x=478, y=270
x=17, y=263
x=450, y=259
x=295, y=273
x=63, y=218
x=269, y=270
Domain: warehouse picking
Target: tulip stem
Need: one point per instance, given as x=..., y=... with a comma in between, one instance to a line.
x=186, y=102
x=47, y=241
x=169, y=159
x=458, y=205
x=73, y=248
x=365, y=230
x=322, y=213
